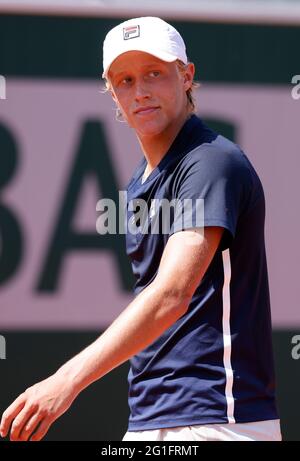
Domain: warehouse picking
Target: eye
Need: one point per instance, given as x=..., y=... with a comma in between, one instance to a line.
x=125, y=81
x=154, y=73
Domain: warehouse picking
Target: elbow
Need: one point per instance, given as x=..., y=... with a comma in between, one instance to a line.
x=173, y=301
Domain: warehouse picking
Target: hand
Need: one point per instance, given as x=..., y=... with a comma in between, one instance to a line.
x=33, y=412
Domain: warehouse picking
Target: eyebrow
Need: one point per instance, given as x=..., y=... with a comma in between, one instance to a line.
x=144, y=66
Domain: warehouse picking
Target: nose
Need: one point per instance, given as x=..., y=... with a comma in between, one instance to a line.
x=141, y=90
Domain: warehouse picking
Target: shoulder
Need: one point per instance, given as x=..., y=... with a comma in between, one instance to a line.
x=219, y=158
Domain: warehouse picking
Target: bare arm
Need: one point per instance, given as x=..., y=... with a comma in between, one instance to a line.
x=184, y=262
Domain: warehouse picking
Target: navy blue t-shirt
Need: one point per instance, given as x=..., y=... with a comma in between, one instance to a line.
x=215, y=363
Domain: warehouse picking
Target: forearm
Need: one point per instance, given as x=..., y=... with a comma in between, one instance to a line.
x=143, y=321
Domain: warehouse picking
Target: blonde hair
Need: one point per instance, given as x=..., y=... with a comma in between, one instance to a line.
x=195, y=84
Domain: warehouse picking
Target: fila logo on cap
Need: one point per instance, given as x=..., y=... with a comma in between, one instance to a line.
x=131, y=32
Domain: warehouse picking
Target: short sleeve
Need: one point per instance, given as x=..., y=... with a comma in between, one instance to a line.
x=214, y=185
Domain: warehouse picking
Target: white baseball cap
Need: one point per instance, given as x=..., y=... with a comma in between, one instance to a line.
x=149, y=34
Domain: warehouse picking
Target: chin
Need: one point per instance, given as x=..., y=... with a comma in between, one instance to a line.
x=150, y=128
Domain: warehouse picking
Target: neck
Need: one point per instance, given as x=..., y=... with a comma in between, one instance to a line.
x=155, y=147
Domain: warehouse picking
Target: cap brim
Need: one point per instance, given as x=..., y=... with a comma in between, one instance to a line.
x=167, y=57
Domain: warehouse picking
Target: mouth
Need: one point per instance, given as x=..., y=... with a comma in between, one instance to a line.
x=146, y=110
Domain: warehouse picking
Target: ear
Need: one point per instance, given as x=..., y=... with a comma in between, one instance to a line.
x=189, y=74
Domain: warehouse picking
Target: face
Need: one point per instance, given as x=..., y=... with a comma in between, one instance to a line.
x=151, y=93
